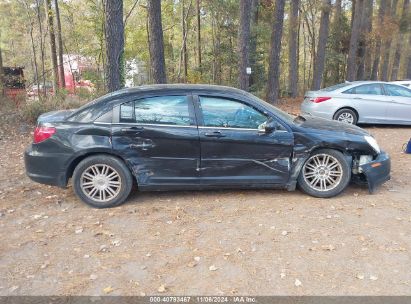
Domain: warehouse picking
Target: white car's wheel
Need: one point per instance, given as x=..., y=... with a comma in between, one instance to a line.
x=347, y=116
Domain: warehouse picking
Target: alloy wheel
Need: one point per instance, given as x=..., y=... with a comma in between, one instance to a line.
x=100, y=182
x=322, y=172
x=346, y=117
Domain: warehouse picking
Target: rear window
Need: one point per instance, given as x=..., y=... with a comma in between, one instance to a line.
x=335, y=87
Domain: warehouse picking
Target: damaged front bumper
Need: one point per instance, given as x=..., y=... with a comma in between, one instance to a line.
x=377, y=171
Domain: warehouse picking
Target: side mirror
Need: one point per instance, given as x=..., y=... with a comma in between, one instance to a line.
x=268, y=127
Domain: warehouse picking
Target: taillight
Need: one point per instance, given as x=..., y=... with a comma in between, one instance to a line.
x=320, y=99
x=42, y=133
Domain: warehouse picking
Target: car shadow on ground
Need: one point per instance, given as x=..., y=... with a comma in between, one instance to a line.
x=154, y=197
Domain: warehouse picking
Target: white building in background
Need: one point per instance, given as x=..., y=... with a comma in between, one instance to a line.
x=136, y=73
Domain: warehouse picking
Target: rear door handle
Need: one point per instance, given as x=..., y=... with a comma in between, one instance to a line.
x=214, y=134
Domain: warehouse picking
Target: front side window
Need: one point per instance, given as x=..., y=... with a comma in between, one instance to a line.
x=227, y=113
x=163, y=110
x=395, y=90
x=366, y=89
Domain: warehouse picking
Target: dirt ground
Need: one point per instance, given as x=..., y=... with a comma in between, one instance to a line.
x=205, y=243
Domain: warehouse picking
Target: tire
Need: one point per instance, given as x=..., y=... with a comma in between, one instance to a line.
x=315, y=177
x=346, y=115
x=108, y=175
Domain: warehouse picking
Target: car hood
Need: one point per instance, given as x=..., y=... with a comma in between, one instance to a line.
x=319, y=125
x=54, y=116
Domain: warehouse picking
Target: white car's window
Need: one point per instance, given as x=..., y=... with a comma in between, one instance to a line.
x=227, y=113
x=395, y=90
x=366, y=89
x=335, y=87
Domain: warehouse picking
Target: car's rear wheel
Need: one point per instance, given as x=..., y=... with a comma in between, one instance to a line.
x=346, y=115
x=102, y=181
x=326, y=173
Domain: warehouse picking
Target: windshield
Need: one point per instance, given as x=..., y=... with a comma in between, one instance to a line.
x=280, y=113
x=335, y=87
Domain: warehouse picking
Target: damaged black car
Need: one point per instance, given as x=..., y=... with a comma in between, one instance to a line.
x=180, y=137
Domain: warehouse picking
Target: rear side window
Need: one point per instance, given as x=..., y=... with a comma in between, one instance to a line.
x=162, y=110
x=366, y=89
x=335, y=87
x=395, y=90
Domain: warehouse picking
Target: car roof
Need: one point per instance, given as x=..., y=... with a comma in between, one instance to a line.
x=365, y=82
x=104, y=102
x=182, y=87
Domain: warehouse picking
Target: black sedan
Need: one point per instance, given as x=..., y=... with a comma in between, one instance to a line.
x=169, y=137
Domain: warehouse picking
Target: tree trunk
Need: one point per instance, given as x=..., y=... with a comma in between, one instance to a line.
x=53, y=50
x=273, y=82
x=156, y=42
x=243, y=43
x=387, y=45
x=368, y=52
x=355, y=35
x=362, y=48
x=33, y=48
x=43, y=69
x=293, y=49
x=377, y=55
x=1, y=70
x=403, y=31
x=114, y=28
x=319, y=61
x=60, y=45
x=253, y=43
x=408, y=73
x=199, y=37
x=334, y=68
x=184, y=42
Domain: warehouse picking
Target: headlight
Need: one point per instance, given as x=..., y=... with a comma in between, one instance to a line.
x=373, y=143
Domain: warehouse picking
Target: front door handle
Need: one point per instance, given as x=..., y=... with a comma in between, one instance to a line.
x=217, y=134
x=132, y=129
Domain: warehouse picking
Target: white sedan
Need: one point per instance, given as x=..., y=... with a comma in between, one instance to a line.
x=355, y=102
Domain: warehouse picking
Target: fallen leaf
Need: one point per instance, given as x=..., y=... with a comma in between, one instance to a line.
x=162, y=288
x=108, y=290
x=192, y=264
x=328, y=247
x=373, y=278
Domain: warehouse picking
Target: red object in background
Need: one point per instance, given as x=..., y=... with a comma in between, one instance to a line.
x=14, y=83
x=72, y=84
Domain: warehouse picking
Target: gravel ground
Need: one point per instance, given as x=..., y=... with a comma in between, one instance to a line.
x=253, y=242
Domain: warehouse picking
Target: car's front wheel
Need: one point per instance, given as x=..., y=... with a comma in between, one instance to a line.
x=102, y=181
x=326, y=173
x=346, y=115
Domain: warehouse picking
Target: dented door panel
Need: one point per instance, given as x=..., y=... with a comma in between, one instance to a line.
x=245, y=156
x=159, y=154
